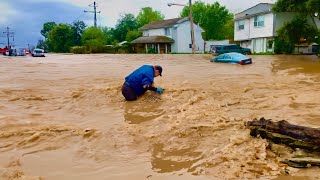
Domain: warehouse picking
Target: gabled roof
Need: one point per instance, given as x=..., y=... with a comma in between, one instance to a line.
x=261, y=8
x=152, y=39
x=163, y=24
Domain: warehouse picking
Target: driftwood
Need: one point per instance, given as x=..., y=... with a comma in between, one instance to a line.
x=302, y=162
x=283, y=132
x=294, y=136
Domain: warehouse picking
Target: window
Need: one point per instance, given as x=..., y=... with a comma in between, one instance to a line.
x=146, y=33
x=241, y=25
x=167, y=31
x=258, y=21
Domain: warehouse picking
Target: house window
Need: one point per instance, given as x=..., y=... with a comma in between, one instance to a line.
x=146, y=33
x=241, y=25
x=258, y=21
x=167, y=31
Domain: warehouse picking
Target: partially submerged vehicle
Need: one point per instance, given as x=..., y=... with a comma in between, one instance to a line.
x=38, y=53
x=232, y=58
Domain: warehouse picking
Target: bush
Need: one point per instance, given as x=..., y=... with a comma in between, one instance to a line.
x=280, y=46
x=78, y=50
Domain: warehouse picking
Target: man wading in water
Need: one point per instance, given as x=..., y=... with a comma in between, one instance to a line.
x=141, y=80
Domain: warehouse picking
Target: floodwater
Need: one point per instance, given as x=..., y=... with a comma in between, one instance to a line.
x=64, y=117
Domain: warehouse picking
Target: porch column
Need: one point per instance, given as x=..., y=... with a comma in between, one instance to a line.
x=146, y=48
x=158, y=48
x=166, y=48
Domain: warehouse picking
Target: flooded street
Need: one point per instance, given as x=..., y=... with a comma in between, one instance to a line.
x=64, y=117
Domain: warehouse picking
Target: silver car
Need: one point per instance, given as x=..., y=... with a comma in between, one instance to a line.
x=38, y=53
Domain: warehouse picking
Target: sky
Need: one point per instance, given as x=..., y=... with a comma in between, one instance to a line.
x=26, y=17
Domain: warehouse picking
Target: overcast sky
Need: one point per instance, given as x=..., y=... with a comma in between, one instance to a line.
x=26, y=17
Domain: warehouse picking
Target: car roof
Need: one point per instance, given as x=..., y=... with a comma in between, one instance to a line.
x=234, y=54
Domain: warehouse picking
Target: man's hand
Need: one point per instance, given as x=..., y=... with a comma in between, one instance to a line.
x=159, y=90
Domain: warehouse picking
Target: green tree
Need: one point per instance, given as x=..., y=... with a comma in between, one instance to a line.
x=213, y=18
x=93, y=39
x=78, y=28
x=60, y=38
x=309, y=7
x=125, y=24
x=48, y=26
x=108, y=34
x=292, y=32
x=147, y=15
x=41, y=44
x=132, y=35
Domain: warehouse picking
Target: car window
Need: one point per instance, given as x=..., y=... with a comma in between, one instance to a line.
x=220, y=56
x=237, y=56
x=227, y=56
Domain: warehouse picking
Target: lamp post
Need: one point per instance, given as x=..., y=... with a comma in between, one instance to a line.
x=191, y=23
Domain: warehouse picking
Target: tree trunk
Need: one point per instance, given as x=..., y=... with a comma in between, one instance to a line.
x=283, y=132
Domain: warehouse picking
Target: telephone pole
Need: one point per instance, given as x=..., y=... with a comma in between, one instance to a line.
x=192, y=28
x=8, y=35
x=95, y=13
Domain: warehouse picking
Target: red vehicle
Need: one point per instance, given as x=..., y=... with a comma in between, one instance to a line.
x=3, y=50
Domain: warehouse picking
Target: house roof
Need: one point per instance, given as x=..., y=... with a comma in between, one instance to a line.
x=261, y=8
x=163, y=24
x=152, y=39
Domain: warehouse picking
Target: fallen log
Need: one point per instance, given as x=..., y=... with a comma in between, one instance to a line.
x=282, y=132
x=302, y=162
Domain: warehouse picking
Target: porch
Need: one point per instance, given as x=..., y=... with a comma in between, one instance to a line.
x=152, y=44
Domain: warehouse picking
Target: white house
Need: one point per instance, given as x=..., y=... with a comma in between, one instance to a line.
x=171, y=35
x=256, y=27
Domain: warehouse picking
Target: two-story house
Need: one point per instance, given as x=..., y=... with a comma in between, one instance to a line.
x=171, y=35
x=256, y=27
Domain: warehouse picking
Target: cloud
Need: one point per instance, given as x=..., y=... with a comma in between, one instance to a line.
x=6, y=11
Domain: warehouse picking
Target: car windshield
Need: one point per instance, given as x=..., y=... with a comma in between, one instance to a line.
x=38, y=51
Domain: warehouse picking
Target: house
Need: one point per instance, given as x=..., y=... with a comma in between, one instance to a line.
x=171, y=35
x=256, y=27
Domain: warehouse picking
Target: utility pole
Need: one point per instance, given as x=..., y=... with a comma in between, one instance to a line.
x=192, y=28
x=95, y=13
x=8, y=35
x=191, y=23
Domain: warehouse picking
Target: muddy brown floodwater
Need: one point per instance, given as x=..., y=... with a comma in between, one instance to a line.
x=64, y=117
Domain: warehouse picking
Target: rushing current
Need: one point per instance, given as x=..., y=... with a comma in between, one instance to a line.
x=64, y=117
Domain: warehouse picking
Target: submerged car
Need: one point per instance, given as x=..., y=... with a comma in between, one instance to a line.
x=38, y=53
x=232, y=58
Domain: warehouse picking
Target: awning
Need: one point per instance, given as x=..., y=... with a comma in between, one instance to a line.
x=152, y=39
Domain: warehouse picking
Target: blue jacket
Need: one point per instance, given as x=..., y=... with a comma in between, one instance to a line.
x=140, y=77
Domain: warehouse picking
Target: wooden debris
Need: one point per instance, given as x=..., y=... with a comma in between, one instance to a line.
x=282, y=132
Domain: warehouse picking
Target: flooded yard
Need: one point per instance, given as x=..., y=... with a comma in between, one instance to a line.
x=64, y=117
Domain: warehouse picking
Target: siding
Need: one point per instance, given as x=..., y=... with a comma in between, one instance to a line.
x=251, y=32
x=156, y=32
x=184, y=38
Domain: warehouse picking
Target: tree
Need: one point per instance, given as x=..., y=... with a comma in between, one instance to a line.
x=293, y=32
x=61, y=38
x=147, y=15
x=78, y=28
x=93, y=39
x=132, y=35
x=125, y=24
x=41, y=44
x=48, y=26
x=213, y=18
x=309, y=7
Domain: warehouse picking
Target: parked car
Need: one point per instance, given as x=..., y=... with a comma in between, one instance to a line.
x=232, y=58
x=38, y=53
x=216, y=50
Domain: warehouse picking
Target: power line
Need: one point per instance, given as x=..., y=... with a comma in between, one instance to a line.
x=95, y=13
